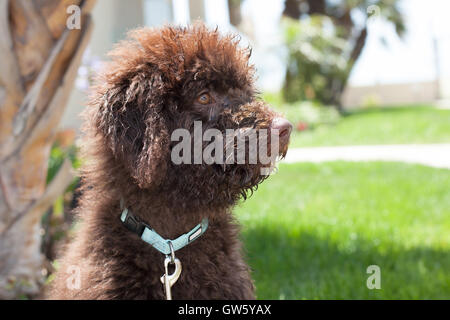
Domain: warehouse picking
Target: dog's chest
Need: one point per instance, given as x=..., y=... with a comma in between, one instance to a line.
x=202, y=277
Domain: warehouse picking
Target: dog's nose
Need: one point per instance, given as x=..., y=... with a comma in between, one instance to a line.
x=284, y=128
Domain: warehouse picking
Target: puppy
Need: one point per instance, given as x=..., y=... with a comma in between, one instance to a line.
x=141, y=181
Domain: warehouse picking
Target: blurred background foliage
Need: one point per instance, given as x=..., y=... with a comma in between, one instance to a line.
x=324, y=40
x=57, y=221
x=317, y=60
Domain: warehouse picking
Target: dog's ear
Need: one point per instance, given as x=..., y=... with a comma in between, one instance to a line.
x=132, y=118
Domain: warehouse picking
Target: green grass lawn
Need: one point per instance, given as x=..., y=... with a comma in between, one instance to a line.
x=311, y=231
x=395, y=125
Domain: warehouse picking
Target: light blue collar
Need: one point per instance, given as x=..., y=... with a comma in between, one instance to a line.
x=150, y=236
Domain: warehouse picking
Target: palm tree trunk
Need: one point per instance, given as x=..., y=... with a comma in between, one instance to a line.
x=339, y=87
x=39, y=58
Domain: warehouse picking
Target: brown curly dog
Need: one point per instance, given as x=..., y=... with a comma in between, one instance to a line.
x=157, y=81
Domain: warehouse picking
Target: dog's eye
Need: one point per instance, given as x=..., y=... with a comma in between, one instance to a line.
x=204, y=98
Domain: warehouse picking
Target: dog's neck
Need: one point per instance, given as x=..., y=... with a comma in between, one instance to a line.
x=164, y=215
x=169, y=211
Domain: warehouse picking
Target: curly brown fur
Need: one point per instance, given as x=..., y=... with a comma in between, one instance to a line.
x=148, y=90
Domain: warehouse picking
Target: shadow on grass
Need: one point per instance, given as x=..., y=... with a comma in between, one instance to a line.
x=304, y=266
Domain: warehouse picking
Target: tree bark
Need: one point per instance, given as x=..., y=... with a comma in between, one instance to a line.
x=39, y=58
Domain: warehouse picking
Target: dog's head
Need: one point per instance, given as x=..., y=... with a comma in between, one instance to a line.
x=178, y=108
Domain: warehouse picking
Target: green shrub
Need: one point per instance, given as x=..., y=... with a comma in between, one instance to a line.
x=317, y=59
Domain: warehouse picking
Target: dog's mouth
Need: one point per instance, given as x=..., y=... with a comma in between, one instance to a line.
x=255, y=159
x=250, y=155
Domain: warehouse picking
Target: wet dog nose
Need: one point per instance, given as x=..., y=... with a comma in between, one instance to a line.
x=284, y=128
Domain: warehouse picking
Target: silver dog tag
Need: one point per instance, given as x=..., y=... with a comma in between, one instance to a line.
x=168, y=280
